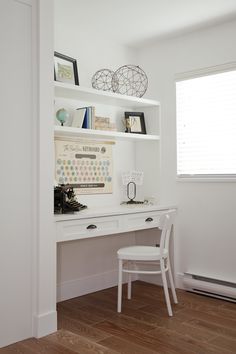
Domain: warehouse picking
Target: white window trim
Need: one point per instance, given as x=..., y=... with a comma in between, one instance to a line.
x=205, y=71
x=191, y=75
x=201, y=179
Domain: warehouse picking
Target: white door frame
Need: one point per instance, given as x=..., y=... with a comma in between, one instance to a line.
x=44, y=245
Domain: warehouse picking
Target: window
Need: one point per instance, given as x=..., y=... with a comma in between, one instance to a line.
x=206, y=125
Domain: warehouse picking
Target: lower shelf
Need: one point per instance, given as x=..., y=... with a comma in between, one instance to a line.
x=101, y=134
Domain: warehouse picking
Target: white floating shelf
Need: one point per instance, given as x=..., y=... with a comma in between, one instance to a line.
x=66, y=132
x=104, y=97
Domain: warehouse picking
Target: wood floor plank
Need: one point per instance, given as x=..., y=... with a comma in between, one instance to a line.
x=229, y=305
x=184, y=314
x=143, y=294
x=78, y=343
x=146, y=341
x=78, y=301
x=90, y=324
x=215, y=328
x=219, y=311
x=182, y=328
x=15, y=349
x=78, y=327
x=117, y=318
x=142, y=286
x=186, y=342
x=43, y=346
x=225, y=343
x=205, y=304
x=132, y=323
x=97, y=310
x=91, y=299
x=110, y=301
x=125, y=347
x=88, y=317
x=148, y=317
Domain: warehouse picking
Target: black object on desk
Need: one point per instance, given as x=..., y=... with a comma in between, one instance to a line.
x=131, y=193
x=65, y=200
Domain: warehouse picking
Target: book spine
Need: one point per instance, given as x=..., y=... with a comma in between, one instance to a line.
x=92, y=117
x=85, y=122
x=89, y=118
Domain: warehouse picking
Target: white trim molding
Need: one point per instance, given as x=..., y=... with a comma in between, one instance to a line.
x=205, y=71
x=45, y=323
x=81, y=286
x=206, y=179
x=44, y=246
x=26, y=2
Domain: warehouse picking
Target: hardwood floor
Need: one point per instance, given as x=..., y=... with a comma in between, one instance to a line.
x=90, y=325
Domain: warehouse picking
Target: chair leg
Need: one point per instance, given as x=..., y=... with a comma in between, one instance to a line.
x=165, y=286
x=119, y=299
x=129, y=285
x=172, y=285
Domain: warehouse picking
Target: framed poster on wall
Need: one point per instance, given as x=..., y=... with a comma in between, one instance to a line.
x=86, y=165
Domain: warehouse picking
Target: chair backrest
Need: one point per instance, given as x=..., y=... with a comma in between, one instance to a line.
x=166, y=223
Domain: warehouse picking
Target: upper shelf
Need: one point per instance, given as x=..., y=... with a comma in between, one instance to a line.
x=104, y=97
x=101, y=134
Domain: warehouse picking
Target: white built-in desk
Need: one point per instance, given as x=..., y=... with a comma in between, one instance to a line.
x=108, y=221
x=92, y=223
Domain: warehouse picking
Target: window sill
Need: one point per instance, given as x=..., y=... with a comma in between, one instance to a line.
x=206, y=179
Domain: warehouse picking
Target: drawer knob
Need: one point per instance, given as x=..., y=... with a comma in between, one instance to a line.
x=149, y=219
x=91, y=227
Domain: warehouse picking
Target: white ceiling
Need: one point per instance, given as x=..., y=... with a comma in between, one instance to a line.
x=135, y=22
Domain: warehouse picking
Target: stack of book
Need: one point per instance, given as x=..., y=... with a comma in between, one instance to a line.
x=84, y=117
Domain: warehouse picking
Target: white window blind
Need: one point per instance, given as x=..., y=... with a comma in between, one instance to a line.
x=206, y=125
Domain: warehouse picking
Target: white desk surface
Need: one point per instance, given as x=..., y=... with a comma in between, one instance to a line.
x=112, y=210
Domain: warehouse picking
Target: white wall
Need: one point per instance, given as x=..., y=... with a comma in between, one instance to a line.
x=75, y=274
x=91, y=51
x=206, y=239
x=27, y=260
x=16, y=176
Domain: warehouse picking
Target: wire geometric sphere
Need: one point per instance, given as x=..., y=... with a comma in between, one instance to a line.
x=101, y=80
x=130, y=80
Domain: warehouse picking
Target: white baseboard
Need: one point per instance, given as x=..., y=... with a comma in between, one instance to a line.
x=153, y=279
x=179, y=281
x=82, y=286
x=45, y=324
x=158, y=281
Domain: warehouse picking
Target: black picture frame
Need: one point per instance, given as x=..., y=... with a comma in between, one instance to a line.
x=65, y=69
x=135, y=123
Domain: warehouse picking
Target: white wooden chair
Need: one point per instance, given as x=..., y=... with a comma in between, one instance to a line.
x=131, y=257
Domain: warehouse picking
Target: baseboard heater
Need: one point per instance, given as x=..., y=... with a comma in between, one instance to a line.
x=209, y=286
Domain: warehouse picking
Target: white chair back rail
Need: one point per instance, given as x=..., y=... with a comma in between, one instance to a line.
x=166, y=223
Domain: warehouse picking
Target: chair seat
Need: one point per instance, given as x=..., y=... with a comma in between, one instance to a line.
x=141, y=253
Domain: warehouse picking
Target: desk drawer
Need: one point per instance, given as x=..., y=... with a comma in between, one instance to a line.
x=141, y=221
x=86, y=228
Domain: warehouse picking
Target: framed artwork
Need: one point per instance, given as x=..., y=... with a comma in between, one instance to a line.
x=135, y=122
x=65, y=69
x=86, y=165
